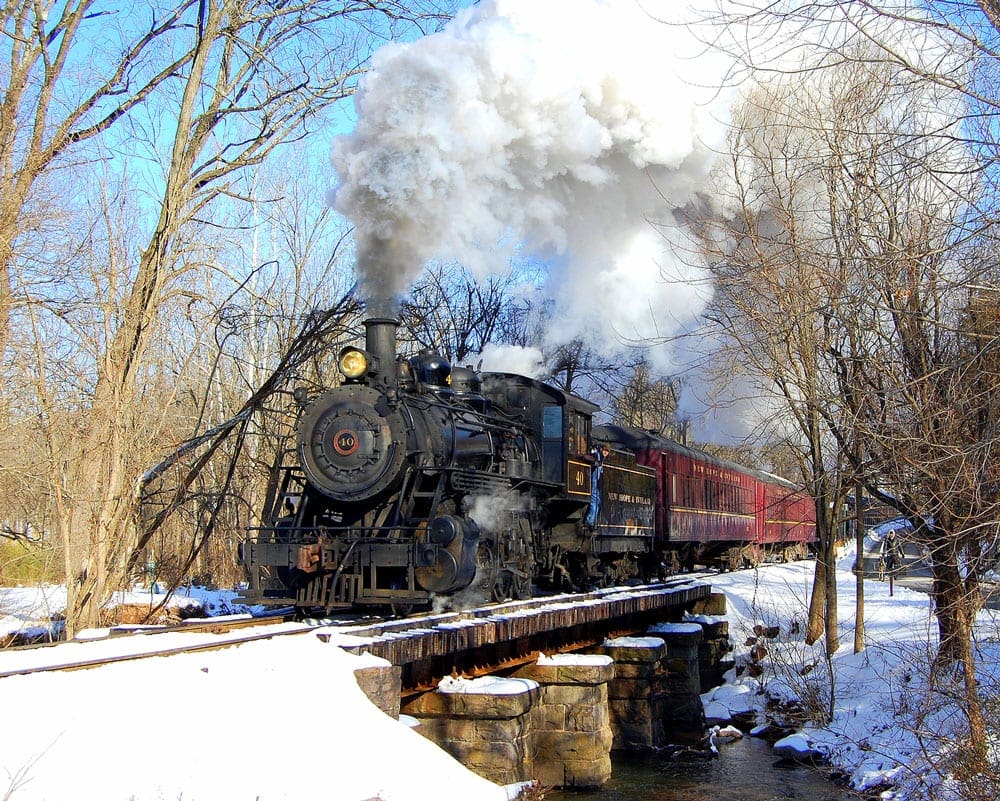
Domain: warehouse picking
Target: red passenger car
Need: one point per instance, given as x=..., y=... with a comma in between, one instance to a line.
x=710, y=511
x=787, y=515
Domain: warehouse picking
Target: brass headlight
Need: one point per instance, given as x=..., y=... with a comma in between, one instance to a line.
x=353, y=362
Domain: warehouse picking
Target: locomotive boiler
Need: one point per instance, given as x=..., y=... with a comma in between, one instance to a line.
x=414, y=480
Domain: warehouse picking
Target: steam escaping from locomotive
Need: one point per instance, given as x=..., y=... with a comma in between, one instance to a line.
x=489, y=511
x=511, y=359
x=577, y=131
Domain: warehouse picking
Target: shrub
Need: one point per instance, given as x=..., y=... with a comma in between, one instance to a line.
x=28, y=563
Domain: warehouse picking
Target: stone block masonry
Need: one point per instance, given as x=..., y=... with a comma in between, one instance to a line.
x=635, y=695
x=712, y=604
x=655, y=697
x=682, y=712
x=715, y=647
x=571, y=723
x=713, y=651
x=550, y=722
x=557, y=720
x=484, y=723
x=380, y=681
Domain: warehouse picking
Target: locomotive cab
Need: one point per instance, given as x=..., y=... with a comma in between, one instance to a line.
x=558, y=420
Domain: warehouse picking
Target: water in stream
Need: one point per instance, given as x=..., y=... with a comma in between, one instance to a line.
x=746, y=770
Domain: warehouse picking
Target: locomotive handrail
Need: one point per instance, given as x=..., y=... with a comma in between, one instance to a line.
x=330, y=529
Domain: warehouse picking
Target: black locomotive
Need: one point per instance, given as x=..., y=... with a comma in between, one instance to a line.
x=415, y=481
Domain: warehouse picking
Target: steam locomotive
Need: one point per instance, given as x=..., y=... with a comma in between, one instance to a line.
x=415, y=482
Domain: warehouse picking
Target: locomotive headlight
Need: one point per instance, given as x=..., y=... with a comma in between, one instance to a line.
x=353, y=362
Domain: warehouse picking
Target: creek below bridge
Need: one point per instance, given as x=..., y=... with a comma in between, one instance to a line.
x=745, y=770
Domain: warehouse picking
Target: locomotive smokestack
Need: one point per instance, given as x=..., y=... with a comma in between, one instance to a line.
x=380, y=341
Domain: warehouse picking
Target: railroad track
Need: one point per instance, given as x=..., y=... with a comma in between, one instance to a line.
x=126, y=643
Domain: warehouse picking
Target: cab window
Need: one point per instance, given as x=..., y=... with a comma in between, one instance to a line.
x=578, y=435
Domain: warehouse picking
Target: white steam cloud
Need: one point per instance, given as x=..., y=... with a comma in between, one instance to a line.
x=575, y=130
x=510, y=359
x=582, y=132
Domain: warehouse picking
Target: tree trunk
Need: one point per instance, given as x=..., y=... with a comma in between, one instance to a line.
x=859, y=573
x=817, y=602
x=832, y=626
x=99, y=498
x=956, y=603
x=823, y=603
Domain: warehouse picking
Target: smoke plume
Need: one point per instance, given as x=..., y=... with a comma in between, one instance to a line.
x=577, y=131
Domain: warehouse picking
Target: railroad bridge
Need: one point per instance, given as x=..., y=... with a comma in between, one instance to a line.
x=545, y=689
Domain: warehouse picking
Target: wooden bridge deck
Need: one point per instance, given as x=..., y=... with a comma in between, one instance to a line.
x=491, y=638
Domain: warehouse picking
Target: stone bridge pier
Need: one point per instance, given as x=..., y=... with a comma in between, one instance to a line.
x=557, y=719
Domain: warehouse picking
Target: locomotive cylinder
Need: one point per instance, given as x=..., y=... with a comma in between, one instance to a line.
x=451, y=565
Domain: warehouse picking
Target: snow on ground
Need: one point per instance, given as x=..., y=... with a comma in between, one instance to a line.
x=285, y=719
x=881, y=694
x=281, y=719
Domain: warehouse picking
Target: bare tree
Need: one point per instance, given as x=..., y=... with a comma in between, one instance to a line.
x=241, y=80
x=774, y=284
x=451, y=312
x=52, y=101
x=854, y=191
x=649, y=403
